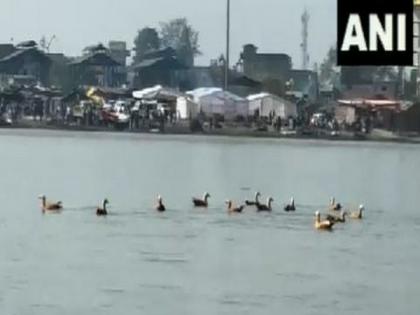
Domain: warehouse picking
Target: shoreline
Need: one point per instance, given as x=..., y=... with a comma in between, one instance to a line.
x=227, y=132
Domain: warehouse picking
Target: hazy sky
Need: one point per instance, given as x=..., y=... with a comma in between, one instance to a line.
x=273, y=25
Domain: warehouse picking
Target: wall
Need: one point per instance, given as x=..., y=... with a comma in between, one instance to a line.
x=408, y=120
x=387, y=90
x=261, y=67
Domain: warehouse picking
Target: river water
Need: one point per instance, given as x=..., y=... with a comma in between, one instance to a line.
x=190, y=261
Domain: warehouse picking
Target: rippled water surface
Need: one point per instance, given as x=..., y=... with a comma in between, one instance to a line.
x=189, y=261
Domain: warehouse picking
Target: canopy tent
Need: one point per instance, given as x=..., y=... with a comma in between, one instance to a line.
x=266, y=104
x=186, y=108
x=372, y=104
x=217, y=101
x=157, y=93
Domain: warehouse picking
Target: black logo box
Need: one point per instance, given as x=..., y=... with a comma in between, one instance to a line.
x=364, y=8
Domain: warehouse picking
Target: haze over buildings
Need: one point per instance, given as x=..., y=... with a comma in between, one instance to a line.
x=271, y=25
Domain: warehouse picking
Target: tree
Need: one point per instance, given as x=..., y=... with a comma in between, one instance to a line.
x=327, y=68
x=147, y=40
x=180, y=35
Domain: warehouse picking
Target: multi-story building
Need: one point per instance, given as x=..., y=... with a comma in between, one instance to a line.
x=262, y=67
x=25, y=61
x=119, y=52
x=96, y=68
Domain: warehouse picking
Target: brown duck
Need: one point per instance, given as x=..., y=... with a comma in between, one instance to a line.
x=322, y=225
x=233, y=209
x=358, y=214
x=50, y=206
x=337, y=218
x=334, y=206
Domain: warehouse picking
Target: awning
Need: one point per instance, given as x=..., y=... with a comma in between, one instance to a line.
x=372, y=104
x=157, y=92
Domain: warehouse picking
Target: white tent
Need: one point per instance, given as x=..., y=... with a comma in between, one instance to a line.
x=156, y=92
x=267, y=103
x=186, y=108
x=216, y=101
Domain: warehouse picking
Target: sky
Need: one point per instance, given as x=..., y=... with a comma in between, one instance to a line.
x=272, y=25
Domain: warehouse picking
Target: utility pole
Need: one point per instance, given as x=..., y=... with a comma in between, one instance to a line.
x=227, y=45
x=305, y=34
x=417, y=43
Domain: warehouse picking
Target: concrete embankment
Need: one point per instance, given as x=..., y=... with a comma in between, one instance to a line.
x=376, y=135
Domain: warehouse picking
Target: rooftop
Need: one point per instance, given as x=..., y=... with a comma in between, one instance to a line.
x=6, y=49
x=99, y=58
x=21, y=52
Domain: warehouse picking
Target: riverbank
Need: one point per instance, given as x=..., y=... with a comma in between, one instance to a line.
x=377, y=135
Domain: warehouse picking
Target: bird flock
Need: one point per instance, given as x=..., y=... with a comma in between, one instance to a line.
x=335, y=212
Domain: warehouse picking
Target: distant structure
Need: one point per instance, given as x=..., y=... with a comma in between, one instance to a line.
x=24, y=62
x=119, y=52
x=96, y=67
x=157, y=67
x=305, y=85
x=261, y=67
x=305, y=35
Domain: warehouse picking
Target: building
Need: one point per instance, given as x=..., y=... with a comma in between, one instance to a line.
x=119, y=52
x=262, y=67
x=304, y=84
x=60, y=71
x=195, y=77
x=6, y=49
x=25, y=60
x=378, y=90
x=157, y=68
x=408, y=119
x=96, y=68
x=213, y=76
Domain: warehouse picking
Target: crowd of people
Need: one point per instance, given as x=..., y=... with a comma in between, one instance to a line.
x=135, y=115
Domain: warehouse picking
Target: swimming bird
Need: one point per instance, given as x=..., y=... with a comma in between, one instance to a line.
x=102, y=211
x=50, y=206
x=160, y=206
x=203, y=203
x=290, y=207
x=337, y=218
x=335, y=206
x=232, y=209
x=322, y=225
x=267, y=207
x=254, y=203
x=358, y=214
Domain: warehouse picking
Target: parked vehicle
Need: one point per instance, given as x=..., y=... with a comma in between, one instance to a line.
x=117, y=114
x=5, y=120
x=80, y=110
x=318, y=120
